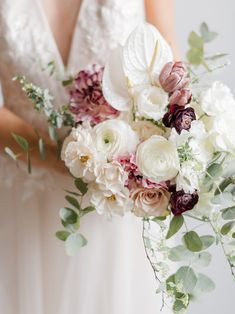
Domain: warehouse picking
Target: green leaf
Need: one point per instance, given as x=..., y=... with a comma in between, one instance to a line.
x=68, y=81
x=180, y=253
x=207, y=35
x=81, y=185
x=207, y=241
x=10, y=153
x=195, y=56
x=213, y=172
x=52, y=133
x=227, y=227
x=74, y=242
x=62, y=235
x=87, y=210
x=222, y=198
x=204, y=285
x=195, y=41
x=72, y=193
x=41, y=148
x=216, y=56
x=193, y=241
x=187, y=277
x=160, y=218
x=21, y=141
x=223, y=185
x=175, y=225
x=203, y=259
x=228, y=213
x=179, y=306
x=73, y=201
x=68, y=216
x=29, y=162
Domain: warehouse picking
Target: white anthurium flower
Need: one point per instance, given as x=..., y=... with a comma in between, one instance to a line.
x=81, y=160
x=188, y=177
x=108, y=203
x=114, y=138
x=145, y=54
x=157, y=159
x=152, y=102
x=217, y=100
x=111, y=176
x=115, y=84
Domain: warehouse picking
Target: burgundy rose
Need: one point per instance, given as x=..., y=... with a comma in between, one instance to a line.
x=179, y=118
x=182, y=202
x=174, y=76
x=181, y=97
x=86, y=97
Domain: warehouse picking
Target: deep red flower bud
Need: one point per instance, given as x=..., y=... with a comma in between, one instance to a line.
x=181, y=202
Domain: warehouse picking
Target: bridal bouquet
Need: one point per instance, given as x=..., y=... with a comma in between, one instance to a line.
x=147, y=138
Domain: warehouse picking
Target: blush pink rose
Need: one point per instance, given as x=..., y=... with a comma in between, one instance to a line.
x=150, y=202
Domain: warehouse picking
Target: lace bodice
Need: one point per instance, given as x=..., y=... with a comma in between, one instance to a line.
x=27, y=45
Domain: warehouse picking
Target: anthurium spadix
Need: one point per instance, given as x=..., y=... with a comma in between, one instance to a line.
x=138, y=63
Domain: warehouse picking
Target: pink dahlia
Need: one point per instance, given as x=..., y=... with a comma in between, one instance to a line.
x=87, y=101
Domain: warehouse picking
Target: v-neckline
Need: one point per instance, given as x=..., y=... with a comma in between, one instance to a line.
x=51, y=35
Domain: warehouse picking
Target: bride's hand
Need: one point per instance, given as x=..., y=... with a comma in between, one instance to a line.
x=10, y=123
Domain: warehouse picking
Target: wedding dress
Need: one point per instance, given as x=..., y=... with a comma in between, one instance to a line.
x=111, y=275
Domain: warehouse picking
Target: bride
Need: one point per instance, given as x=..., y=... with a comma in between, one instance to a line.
x=111, y=274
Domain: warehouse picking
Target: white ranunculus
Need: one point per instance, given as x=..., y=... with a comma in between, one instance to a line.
x=152, y=102
x=217, y=99
x=108, y=203
x=111, y=176
x=145, y=129
x=188, y=177
x=114, y=138
x=157, y=159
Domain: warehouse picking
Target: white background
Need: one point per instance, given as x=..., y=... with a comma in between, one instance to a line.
x=220, y=16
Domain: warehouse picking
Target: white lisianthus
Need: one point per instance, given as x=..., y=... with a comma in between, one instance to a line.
x=114, y=138
x=108, y=203
x=217, y=99
x=145, y=129
x=188, y=177
x=197, y=143
x=151, y=102
x=111, y=176
x=81, y=160
x=157, y=159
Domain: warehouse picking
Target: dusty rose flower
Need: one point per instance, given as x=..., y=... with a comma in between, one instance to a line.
x=174, y=76
x=181, y=97
x=182, y=202
x=86, y=98
x=150, y=202
x=179, y=118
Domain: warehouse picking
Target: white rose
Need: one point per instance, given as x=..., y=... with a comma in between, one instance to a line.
x=145, y=129
x=108, y=203
x=111, y=176
x=115, y=138
x=152, y=102
x=157, y=159
x=217, y=99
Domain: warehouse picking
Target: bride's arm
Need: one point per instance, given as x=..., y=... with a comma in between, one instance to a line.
x=161, y=13
x=10, y=123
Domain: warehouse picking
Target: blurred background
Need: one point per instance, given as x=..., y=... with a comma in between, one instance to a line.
x=220, y=16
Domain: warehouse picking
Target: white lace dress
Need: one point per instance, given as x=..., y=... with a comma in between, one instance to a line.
x=109, y=276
